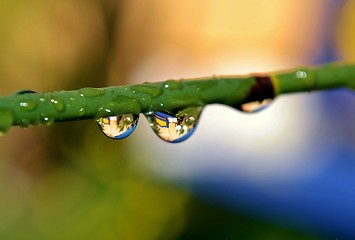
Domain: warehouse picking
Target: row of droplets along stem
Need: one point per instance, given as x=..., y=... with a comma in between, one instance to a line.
x=172, y=127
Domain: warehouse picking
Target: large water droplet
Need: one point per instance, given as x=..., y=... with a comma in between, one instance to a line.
x=256, y=106
x=176, y=126
x=118, y=127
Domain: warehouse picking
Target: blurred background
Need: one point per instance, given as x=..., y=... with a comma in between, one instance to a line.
x=283, y=173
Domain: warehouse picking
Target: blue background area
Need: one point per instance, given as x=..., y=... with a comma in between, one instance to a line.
x=324, y=203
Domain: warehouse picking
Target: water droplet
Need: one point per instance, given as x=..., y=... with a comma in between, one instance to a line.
x=24, y=92
x=28, y=105
x=47, y=120
x=82, y=111
x=118, y=127
x=174, y=126
x=120, y=104
x=24, y=123
x=256, y=106
x=91, y=92
x=6, y=120
x=147, y=88
x=58, y=105
x=173, y=85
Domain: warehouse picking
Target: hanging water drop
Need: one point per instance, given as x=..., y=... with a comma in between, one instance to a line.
x=118, y=127
x=174, y=126
x=255, y=106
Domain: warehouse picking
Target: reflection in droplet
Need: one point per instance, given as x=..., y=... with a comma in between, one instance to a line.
x=118, y=127
x=174, y=127
x=252, y=107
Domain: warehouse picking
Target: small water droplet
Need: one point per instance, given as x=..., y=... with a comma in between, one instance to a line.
x=147, y=88
x=28, y=105
x=173, y=85
x=174, y=127
x=120, y=104
x=118, y=127
x=24, y=123
x=58, y=105
x=256, y=106
x=91, y=92
x=82, y=111
x=47, y=120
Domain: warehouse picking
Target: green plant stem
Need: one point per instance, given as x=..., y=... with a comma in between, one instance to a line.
x=45, y=108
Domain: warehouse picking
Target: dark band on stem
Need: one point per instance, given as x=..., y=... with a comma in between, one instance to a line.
x=263, y=89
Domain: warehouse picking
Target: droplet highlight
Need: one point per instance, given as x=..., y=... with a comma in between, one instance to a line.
x=174, y=127
x=255, y=106
x=118, y=127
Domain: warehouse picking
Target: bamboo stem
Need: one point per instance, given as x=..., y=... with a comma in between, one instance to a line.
x=28, y=108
